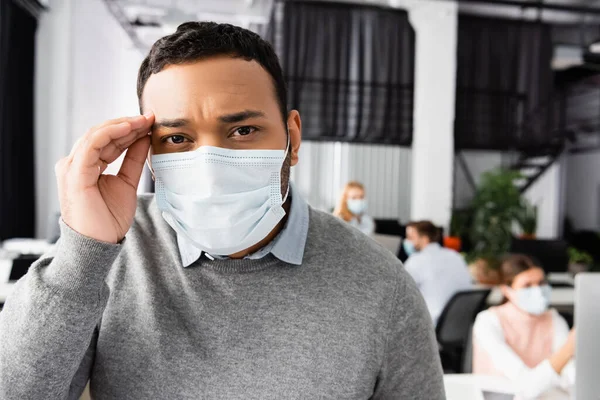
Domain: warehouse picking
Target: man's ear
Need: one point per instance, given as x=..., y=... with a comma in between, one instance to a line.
x=294, y=124
x=423, y=241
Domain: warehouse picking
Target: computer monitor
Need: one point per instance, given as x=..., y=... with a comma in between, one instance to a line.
x=587, y=325
x=21, y=264
x=389, y=227
x=552, y=255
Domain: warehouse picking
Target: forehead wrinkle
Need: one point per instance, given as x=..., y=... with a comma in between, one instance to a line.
x=207, y=89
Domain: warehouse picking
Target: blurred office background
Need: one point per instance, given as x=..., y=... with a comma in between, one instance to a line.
x=416, y=99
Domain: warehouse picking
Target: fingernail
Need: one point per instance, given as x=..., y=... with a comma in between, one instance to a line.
x=148, y=114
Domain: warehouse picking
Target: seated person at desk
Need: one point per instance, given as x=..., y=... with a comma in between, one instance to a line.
x=522, y=339
x=439, y=272
x=352, y=208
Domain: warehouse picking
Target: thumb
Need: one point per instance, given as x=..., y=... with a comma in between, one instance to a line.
x=133, y=163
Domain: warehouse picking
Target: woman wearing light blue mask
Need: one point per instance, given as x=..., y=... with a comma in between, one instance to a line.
x=352, y=208
x=523, y=339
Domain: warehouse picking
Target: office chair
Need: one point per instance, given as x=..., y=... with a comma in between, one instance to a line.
x=467, y=358
x=394, y=228
x=569, y=318
x=454, y=324
x=551, y=255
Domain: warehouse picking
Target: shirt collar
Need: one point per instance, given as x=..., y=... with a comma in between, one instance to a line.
x=431, y=247
x=288, y=246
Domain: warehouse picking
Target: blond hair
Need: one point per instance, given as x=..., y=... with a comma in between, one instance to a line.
x=342, y=210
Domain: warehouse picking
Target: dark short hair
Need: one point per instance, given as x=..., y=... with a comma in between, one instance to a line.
x=194, y=41
x=426, y=228
x=512, y=265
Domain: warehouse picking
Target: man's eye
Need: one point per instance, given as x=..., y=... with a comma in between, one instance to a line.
x=244, y=131
x=175, y=139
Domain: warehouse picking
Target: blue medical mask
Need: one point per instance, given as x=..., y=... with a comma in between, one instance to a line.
x=223, y=201
x=356, y=206
x=533, y=300
x=409, y=247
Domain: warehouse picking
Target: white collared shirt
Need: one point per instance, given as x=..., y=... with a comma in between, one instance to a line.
x=440, y=273
x=288, y=245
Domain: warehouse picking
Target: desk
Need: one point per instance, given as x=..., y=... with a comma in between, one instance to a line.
x=5, y=268
x=561, y=277
x=469, y=387
x=390, y=242
x=5, y=287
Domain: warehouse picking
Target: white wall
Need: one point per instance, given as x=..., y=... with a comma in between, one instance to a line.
x=52, y=100
x=324, y=168
x=546, y=193
x=583, y=190
x=86, y=73
x=477, y=163
x=436, y=25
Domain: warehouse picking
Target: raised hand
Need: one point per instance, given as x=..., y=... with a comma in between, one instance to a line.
x=100, y=206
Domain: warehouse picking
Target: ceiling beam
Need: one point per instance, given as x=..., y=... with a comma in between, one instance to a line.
x=574, y=9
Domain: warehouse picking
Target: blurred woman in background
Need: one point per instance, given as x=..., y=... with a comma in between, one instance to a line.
x=352, y=208
x=523, y=339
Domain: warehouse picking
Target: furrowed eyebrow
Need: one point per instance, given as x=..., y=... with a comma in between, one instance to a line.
x=240, y=116
x=170, y=123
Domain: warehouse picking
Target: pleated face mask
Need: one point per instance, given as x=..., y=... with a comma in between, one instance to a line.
x=223, y=201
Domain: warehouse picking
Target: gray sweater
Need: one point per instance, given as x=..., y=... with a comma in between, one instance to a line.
x=349, y=323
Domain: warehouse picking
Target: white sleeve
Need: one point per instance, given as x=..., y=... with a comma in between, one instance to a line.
x=368, y=225
x=561, y=333
x=529, y=382
x=411, y=266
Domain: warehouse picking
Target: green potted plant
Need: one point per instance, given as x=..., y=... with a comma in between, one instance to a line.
x=579, y=261
x=496, y=206
x=528, y=220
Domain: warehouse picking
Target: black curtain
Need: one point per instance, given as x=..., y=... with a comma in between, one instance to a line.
x=504, y=97
x=349, y=69
x=18, y=24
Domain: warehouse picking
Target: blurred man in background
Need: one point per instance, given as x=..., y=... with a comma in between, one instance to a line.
x=439, y=272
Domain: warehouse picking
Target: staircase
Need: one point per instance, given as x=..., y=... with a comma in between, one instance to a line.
x=533, y=165
x=535, y=158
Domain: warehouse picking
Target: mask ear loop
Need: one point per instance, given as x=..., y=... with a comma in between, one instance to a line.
x=149, y=163
x=287, y=149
